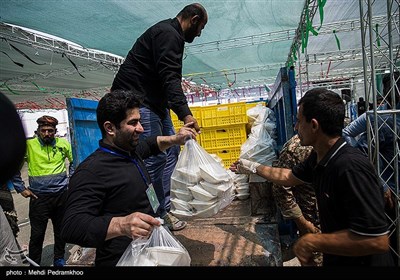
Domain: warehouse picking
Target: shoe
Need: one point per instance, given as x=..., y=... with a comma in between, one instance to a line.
x=173, y=223
x=59, y=262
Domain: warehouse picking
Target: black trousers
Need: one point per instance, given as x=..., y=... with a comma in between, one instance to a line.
x=7, y=203
x=42, y=209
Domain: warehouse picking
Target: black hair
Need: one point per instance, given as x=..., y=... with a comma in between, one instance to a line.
x=191, y=10
x=326, y=107
x=114, y=105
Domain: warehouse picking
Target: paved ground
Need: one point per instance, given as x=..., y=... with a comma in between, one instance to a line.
x=233, y=237
x=22, y=207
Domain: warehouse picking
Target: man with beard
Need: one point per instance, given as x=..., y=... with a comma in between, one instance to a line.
x=48, y=181
x=153, y=67
x=111, y=198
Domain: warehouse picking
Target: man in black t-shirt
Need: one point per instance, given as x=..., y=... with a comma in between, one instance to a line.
x=349, y=195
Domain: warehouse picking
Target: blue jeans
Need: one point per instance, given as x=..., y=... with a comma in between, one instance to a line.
x=161, y=166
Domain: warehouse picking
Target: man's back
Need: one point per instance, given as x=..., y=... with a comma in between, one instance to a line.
x=153, y=66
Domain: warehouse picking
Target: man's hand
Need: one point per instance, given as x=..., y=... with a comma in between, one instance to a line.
x=139, y=225
x=387, y=195
x=185, y=133
x=244, y=166
x=135, y=225
x=305, y=226
x=304, y=249
x=28, y=193
x=190, y=119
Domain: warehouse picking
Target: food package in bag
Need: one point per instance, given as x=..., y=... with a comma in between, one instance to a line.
x=201, y=174
x=160, y=249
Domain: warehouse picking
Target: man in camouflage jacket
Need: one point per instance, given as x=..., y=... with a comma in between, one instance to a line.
x=298, y=204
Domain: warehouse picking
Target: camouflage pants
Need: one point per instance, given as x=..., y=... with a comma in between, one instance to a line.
x=300, y=200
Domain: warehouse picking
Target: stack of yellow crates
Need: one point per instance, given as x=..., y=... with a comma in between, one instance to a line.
x=223, y=129
x=196, y=111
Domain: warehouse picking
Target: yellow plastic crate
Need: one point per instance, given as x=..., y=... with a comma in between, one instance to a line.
x=223, y=115
x=176, y=123
x=219, y=138
x=196, y=111
x=228, y=155
x=253, y=104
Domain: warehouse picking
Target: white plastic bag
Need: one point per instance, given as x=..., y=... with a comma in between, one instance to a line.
x=195, y=163
x=260, y=146
x=160, y=249
x=199, y=176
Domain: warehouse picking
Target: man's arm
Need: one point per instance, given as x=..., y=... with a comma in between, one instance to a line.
x=84, y=223
x=191, y=119
x=184, y=133
x=153, y=145
x=168, y=52
x=305, y=226
x=71, y=168
x=343, y=243
x=19, y=186
x=280, y=176
x=133, y=226
x=290, y=208
x=354, y=129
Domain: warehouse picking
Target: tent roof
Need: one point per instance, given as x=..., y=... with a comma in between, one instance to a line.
x=244, y=43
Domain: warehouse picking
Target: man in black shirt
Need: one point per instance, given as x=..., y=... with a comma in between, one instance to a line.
x=153, y=67
x=349, y=195
x=110, y=198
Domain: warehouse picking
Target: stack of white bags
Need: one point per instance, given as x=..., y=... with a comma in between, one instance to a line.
x=240, y=185
x=200, y=186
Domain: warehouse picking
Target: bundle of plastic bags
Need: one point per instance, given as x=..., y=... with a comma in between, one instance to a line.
x=200, y=186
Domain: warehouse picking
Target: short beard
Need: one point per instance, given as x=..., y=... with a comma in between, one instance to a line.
x=48, y=140
x=123, y=145
x=191, y=34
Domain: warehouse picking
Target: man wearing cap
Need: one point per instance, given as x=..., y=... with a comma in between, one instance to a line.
x=48, y=181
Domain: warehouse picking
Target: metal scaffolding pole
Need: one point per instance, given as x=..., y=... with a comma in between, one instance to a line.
x=377, y=121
